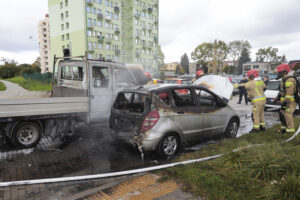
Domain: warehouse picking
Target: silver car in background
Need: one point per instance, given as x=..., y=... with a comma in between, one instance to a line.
x=164, y=118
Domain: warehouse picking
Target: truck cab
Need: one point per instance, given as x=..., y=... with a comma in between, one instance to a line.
x=100, y=81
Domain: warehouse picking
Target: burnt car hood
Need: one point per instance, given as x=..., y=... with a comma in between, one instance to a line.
x=219, y=85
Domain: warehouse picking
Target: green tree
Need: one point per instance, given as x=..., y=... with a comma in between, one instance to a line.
x=216, y=51
x=245, y=57
x=268, y=55
x=8, y=71
x=235, y=50
x=185, y=63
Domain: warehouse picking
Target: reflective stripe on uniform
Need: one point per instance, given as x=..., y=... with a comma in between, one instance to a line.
x=260, y=98
x=288, y=83
x=290, y=130
x=283, y=127
x=289, y=98
x=256, y=126
x=259, y=83
x=262, y=124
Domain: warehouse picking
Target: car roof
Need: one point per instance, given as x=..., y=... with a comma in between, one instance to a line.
x=147, y=89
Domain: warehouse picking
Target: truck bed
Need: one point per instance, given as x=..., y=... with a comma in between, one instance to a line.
x=43, y=106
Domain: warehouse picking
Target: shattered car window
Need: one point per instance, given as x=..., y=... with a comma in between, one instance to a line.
x=123, y=77
x=100, y=77
x=183, y=97
x=74, y=73
x=132, y=102
x=164, y=96
x=205, y=98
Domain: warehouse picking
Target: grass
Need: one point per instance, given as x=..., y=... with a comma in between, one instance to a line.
x=270, y=172
x=2, y=86
x=31, y=85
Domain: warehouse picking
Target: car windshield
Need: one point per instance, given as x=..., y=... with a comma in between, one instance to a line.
x=273, y=85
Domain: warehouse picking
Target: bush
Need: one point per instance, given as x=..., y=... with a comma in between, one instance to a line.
x=8, y=71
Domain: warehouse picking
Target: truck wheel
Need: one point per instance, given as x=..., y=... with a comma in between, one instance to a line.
x=169, y=145
x=232, y=128
x=27, y=134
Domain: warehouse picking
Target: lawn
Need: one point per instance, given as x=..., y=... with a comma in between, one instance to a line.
x=271, y=171
x=31, y=85
x=2, y=86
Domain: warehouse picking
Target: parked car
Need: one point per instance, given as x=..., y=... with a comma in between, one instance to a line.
x=160, y=118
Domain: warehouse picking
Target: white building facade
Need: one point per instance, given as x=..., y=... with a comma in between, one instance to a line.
x=44, y=44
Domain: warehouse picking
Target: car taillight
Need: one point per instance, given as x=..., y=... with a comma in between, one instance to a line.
x=150, y=120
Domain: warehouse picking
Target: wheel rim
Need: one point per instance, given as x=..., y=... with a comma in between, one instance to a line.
x=27, y=135
x=170, y=145
x=233, y=129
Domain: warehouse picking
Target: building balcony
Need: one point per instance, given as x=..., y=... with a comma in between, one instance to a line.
x=100, y=39
x=116, y=9
x=108, y=40
x=117, y=52
x=137, y=16
x=150, y=10
x=91, y=49
x=144, y=46
x=100, y=16
x=89, y=2
x=156, y=3
x=117, y=31
x=91, y=27
x=144, y=27
x=108, y=18
x=156, y=22
x=137, y=35
x=150, y=28
x=156, y=39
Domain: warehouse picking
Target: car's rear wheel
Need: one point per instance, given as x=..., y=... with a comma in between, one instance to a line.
x=232, y=128
x=26, y=134
x=169, y=145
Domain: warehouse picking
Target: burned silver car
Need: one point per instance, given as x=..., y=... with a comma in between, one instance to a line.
x=166, y=117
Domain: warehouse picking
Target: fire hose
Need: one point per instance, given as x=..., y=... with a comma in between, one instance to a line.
x=128, y=172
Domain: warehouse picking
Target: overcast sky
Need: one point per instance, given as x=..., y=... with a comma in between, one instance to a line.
x=183, y=26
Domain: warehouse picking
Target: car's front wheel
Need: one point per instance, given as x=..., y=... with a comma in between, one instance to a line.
x=169, y=145
x=232, y=128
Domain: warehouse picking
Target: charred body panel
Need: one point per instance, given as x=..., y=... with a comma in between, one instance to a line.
x=190, y=112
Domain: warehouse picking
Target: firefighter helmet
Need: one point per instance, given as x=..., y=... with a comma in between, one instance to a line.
x=199, y=73
x=283, y=68
x=252, y=74
x=148, y=74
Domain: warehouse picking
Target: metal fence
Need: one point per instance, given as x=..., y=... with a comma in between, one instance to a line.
x=43, y=78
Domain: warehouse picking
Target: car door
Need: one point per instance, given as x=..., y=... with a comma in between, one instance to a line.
x=213, y=114
x=101, y=92
x=186, y=113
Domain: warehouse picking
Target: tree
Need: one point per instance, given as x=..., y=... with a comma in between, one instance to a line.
x=8, y=71
x=268, y=55
x=235, y=50
x=215, y=52
x=185, y=63
x=161, y=57
x=245, y=57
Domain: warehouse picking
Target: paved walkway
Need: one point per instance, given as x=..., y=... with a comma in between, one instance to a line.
x=15, y=91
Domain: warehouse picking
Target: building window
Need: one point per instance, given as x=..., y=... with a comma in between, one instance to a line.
x=94, y=10
x=94, y=22
x=90, y=56
x=116, y=37
x=98, y=11
x=106, y=13
x=67, y=14
x=106, y=3
x=107, y=47
x=99, y=23
x=62, y=38
x=116, y=16
x=106, y=25
x=62, y=16
x=67, y=36
x=66, y=3
x=89, y=22
x=88, y=9
x=61, y=5
x=100, y=46
x=67, y=25
x=62, y=27
x=89, y=33
x=99, y=1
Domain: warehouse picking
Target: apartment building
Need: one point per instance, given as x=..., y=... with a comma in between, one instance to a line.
x=44, y=44
x=106, y=29
x=261, y=67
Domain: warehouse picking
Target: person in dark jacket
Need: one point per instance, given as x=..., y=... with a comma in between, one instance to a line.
x=266, y=80
x=242, y=91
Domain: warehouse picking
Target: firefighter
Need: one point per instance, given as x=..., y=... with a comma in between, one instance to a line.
x=287, y=94
x=255, y=90
x=199, y=74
